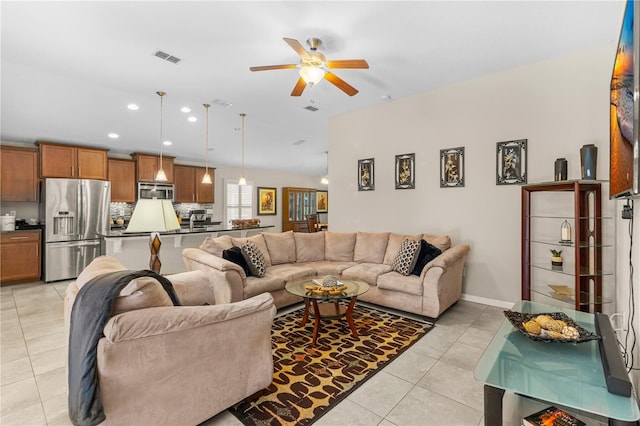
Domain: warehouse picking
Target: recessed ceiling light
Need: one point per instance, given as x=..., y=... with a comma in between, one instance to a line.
x=192, y=119
x=185, y=109
x=114, y=135
x=133, y=107
x=167, y=143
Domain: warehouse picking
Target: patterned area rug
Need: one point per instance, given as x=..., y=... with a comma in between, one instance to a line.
x=311, y=379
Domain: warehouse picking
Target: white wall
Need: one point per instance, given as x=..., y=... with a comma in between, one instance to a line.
x=558, y=105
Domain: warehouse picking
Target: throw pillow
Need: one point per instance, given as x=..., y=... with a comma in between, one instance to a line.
x=255, y=258
x=406, y=258
x=428, y=252
x=234, y=254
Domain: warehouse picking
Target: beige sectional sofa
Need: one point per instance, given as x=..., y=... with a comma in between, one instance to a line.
x=367, y=256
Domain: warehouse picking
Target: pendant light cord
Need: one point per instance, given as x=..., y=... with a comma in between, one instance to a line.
x=206, y=155
x=161, y=94
x=243, y=115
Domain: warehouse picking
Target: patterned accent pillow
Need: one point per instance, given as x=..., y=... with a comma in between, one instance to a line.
x=255, y=258
x=406, y=258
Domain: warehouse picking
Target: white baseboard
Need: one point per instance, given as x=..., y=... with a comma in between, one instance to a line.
x=485, y=301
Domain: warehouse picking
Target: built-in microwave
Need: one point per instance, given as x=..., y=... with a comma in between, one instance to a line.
x=161, y=191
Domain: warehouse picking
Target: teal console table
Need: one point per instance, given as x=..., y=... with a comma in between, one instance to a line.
x=563, y=374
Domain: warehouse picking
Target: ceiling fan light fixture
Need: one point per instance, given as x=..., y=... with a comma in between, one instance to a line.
x=311, y=75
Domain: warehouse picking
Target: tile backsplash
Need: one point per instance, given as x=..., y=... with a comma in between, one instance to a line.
x=124, y=210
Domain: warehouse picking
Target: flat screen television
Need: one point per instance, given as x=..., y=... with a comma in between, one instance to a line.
x=624, y=170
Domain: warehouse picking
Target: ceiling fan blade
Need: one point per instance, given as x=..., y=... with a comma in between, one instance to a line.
x=299, y=88
x=295, y=45
x=340, y=84
x=273, y=67
x=348, y=63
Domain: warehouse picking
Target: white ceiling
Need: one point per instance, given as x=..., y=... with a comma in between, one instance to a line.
x=69, y=69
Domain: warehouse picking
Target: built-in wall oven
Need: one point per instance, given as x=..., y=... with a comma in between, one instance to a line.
x=161, y=191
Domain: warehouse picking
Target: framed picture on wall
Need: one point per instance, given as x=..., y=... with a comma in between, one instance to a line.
x=511, y=162
x=452, y=167
x=322, y=201
x=365, y=175
x=405, y=171
x=267, y=201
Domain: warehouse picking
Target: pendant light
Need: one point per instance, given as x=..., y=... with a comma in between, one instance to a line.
x=242, y=181
x=161, y=176
x=325, y=178
x=206, y=179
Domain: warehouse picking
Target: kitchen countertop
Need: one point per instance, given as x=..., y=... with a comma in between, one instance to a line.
x=182, y=231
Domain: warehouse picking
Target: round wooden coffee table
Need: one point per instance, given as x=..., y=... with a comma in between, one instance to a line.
x=326, y=304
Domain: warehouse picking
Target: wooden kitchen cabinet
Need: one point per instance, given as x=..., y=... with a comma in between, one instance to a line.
x=205, y=192
x=70, y=161
x=147, y=167
x=19, y=256
x=18, y=174
x=189, y=187
x=122, y=175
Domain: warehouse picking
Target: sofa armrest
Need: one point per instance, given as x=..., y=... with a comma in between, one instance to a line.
x=449, y=257
x=226, y=278
x=171, y=319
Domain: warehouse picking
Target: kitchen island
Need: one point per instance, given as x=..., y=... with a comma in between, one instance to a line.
x=132, y=250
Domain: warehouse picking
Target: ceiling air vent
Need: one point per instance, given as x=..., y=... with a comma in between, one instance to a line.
x=310, y=108
x=299, y=142
x=162, y=55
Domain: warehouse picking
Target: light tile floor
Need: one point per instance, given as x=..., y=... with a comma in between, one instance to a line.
x=430, y=384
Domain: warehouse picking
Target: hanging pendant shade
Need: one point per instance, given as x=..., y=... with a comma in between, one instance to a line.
x=161, y=176
x=206, y=179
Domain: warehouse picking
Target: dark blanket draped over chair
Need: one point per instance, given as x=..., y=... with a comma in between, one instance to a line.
x=90, y=313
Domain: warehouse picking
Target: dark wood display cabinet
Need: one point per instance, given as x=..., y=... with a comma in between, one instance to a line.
x=297, y=203
x=577, y=283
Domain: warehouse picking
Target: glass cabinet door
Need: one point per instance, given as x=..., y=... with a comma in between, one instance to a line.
x=291, y=206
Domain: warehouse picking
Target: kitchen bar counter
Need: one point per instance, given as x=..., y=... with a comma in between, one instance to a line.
x=221, y=230
x=132, y=250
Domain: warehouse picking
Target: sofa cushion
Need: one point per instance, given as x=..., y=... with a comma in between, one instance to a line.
x=393, y=246
x=234, y=254
x=443, y=242
x=395, y=281
x=370, y=247
x=290, y=272
x=140, y=293
x=217, y=245
x=255, y=258
x=326, y=267
x=427, y=253
x=282, y=247
x=268, y=283
x=406, y=258
x=338, y=246
x=368, y=272
x=259, y=241
x=193, y=288
x=309, y=246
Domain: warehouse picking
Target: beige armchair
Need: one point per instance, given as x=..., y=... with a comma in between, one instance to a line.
x=170, y=365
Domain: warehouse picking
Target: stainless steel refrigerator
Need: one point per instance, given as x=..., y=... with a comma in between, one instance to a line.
x=76, y=213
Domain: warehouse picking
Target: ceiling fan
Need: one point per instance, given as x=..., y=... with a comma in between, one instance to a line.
x=314, y=66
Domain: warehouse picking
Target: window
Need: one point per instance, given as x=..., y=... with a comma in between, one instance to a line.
x=239, y=200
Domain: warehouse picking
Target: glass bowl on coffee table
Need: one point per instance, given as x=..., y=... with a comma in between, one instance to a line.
x=325, y=299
